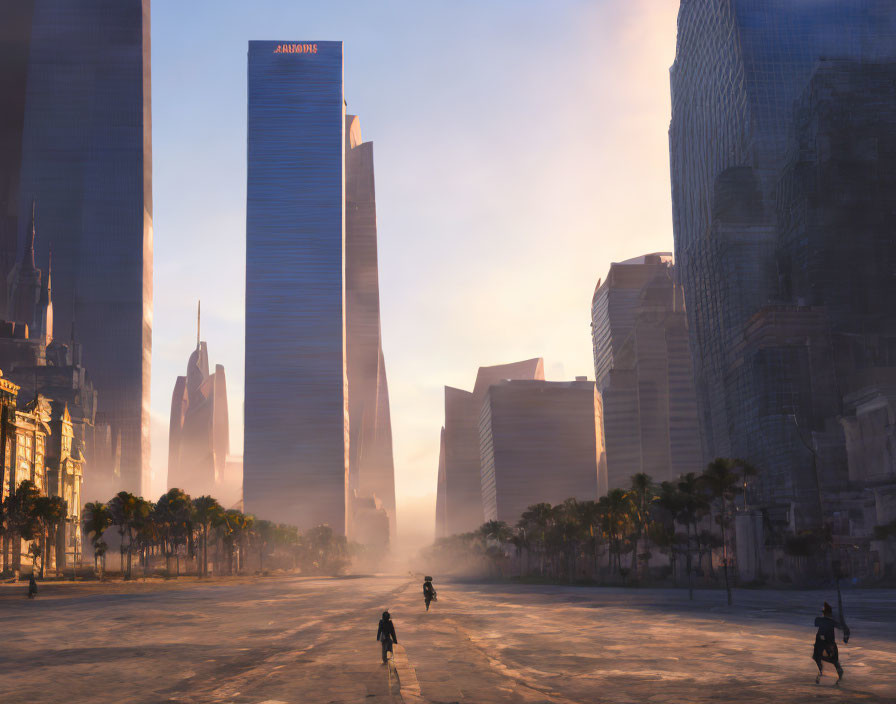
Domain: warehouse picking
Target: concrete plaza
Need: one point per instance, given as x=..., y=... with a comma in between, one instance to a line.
x=289, y=639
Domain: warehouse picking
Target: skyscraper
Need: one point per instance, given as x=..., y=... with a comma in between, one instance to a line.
x=318, y=432
x=459, y=491
x=540, y=441
x=199, y=429
x=86, y=158
x=643, y=369
x=371, y=471
x=15, y=43
x=739, y=68
x=296, y=449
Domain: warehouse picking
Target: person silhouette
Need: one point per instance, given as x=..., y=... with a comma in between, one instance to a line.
x=429, y=592
x=385, y=634
x=825, y=649
x=32, y=588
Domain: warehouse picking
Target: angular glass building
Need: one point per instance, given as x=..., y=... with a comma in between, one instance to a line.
x=86, y=159
x=740, y=67
x=296, y=399
x=371, y=471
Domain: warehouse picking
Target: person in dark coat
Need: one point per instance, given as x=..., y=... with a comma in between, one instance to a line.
x=32, y=588
x=429, y=592
x=826, y=642
x=385, y=634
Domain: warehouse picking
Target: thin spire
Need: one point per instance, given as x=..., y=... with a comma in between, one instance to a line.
x=28, y=257
x=45, y=292
x=198, y=317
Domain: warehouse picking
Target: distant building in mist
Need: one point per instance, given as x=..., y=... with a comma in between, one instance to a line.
x=371, y=471
x=642, y=365
x=540, y=441
x=318, y=437
x=459, y=492
x=199, y=429
x=75, y=135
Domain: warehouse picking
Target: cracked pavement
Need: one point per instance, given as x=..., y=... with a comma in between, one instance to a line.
x=312, y=640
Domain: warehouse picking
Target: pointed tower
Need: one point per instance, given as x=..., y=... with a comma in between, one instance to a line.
x=199, y=434
x=43, y=316
x=23, y=282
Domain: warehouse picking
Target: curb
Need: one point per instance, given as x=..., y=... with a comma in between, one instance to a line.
x=407, y=676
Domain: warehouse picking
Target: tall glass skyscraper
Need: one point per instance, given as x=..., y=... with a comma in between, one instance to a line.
x=296, y=399
x=739, y=68
x=86, y=159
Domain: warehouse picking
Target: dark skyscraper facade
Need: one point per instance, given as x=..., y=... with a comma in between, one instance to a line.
x=15, y=42
x=296, y=399
x=764, y=391
x=86, y=159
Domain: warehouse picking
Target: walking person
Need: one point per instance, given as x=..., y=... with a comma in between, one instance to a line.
x=826, y=642
x=385, y=634
x=32, y=588
x=429, y=592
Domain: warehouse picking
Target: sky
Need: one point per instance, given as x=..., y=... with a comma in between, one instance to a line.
x=520, y=147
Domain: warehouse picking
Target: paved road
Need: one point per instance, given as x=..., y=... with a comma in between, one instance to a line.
x=312, y=641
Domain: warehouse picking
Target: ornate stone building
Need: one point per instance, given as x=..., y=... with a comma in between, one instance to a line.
x=41, y=364
x=39, y=445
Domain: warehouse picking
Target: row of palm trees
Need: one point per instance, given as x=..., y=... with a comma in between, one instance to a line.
x=688, y=520
x=26, y=514
x=180, y=528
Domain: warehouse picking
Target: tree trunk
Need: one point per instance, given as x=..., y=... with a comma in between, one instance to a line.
x=16, y=553
x=689, y=565
x=725, y=555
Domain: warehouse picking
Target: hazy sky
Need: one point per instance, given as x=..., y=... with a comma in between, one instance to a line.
x=520, y=148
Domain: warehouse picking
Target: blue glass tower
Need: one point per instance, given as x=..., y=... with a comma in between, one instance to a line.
x=296, y=413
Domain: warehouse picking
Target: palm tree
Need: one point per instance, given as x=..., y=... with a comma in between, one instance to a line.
x=147, y=531
x=617, y=515
x=721, y=480
x=571, y=531
x=590, y=513
x=123, y=507
x=96, y=519
x=670, y=505
x=538, y=517
x=691, y=507
x=174, y=513
x=47, y=512
x=264, y=533
x=497, y=532
x=641, y=494
x=205, y=510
